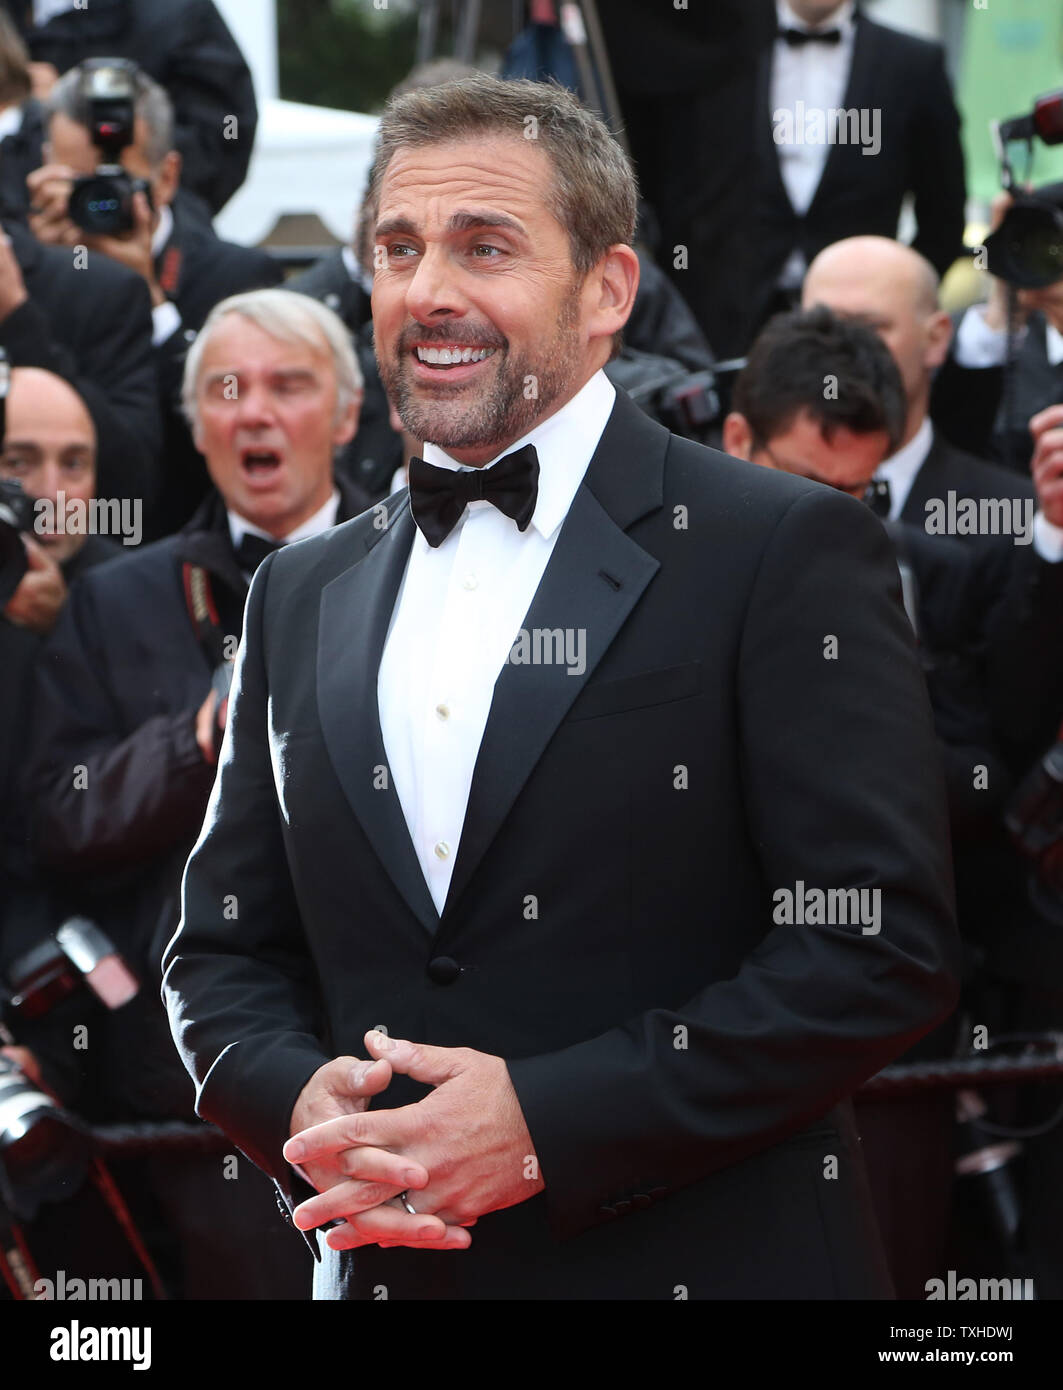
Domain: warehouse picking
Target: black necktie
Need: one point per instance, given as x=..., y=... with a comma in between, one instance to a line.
x=878, y=496
x=797, y=38
x=439, y=496
x=252, y=550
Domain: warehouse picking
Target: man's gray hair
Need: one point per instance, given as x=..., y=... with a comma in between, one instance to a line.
x=290, y=318
x=151, y=103
x=594, y=192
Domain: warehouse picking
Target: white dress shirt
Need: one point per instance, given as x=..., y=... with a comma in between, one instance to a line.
x=322, y=520
x=458, y=612
x=977, y=345
x=899, y=469
x=816, y=75
x=165, y=317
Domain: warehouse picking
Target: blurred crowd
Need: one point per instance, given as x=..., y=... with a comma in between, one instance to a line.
x=177, y=406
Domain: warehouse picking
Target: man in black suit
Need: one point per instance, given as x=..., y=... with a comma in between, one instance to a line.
x=851, y=117
x=511, y=769
x=186, y=267
x=784, y=417
x=125, y=689
x=895, y=290
x=187, y=48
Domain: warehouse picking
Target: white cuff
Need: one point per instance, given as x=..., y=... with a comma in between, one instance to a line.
x=165, y=321
x=1047, y=539
x=977, y=345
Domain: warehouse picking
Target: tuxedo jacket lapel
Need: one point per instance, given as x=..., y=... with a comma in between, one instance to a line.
x=595, y=576
x=355, y=614
x=859, y=94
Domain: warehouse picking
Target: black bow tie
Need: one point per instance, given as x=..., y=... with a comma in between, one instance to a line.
x=439, y=496
x=797, y=38
x=252, y=550
x=878, y=496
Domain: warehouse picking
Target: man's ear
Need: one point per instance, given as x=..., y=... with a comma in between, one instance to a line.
x=347, y=425
x=938, y=338
x=617, y=284
x=737, y=436
x=166, y=181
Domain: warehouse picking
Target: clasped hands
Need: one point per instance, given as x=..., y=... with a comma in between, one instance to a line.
x=462, y=1151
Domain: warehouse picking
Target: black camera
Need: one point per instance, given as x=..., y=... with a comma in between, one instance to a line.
x=44, y=1151
x=102, y=203
x=1026, y=250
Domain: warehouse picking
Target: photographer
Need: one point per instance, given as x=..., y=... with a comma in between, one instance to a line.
x=186, y=267
x=132, y=689
x=49, y=451
x=186, y=47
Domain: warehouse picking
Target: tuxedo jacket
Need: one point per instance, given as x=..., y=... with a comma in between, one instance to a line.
x=682, y=1061
x=903, y=78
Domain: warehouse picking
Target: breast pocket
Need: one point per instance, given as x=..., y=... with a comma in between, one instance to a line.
x=638, y=691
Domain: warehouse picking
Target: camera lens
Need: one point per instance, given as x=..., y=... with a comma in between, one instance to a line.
x=103, y=204
x=1027, y=248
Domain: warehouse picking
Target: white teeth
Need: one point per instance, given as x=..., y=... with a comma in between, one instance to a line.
x=448, y=357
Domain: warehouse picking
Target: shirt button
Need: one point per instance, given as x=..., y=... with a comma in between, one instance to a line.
x=443, y=711
x=442, y=849
x=470, y=582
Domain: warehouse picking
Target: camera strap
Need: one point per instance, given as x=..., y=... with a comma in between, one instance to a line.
x=199, y=599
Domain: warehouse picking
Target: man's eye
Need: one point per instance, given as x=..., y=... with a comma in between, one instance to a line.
x=492, y=251
x=15, y=463
x=399, y=250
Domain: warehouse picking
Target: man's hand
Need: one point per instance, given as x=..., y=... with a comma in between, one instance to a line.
x=134, y=249
x=13, y=293
x=340, y=1089
x=469, y=1134
x=41, y=593
x=49, y=188
x=1047, y=464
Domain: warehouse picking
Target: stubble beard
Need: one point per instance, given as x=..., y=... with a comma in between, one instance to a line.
x=497, y=412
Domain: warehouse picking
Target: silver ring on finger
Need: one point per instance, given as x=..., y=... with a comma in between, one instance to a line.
x=404, y=1198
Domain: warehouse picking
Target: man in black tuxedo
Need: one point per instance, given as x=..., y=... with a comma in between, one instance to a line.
x=172, y=247
x=822, y=177
x=517, y=765
x=186, y=47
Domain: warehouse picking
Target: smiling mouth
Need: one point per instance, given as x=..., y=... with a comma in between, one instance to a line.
x=444, y=358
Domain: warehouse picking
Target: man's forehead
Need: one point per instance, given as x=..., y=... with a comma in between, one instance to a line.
x=499, y=173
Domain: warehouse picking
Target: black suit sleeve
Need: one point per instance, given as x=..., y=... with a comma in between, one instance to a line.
x=1025, y=658
x=210, y=83
x=250, y=1086
x=140, y=791
x=843, y=789
x=114, y=375
x=939, y=183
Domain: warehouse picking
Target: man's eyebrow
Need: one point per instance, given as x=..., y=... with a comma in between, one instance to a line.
x=458, y=222
x=30, y=445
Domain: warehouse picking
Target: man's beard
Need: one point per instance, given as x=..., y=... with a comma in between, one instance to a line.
x=497, y=412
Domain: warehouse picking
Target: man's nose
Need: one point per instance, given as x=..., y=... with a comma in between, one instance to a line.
x=433, y=292
x=255, y=405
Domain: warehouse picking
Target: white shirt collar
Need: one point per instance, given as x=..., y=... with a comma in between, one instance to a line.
x=900, y=468
x=1053, y=344
x=842, y=19
x=322, y=520
x=10, y=121
x=564, y=442
x=163, y=231
x=355, y=270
